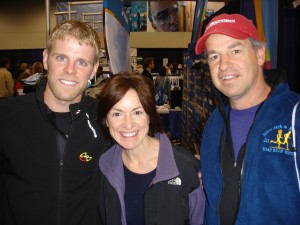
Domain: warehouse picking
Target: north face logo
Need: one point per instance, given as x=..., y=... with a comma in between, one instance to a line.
x=175, y=181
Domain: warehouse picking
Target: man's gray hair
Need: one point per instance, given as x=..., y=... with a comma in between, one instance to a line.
x=255, y=43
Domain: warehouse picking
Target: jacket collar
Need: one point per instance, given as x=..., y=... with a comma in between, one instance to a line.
x=75, y=109
x=111, y=162
x=275, y=78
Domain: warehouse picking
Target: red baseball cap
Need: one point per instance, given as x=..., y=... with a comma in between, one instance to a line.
x=233, y=25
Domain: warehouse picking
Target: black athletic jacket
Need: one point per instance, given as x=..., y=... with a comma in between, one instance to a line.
x=39, y=186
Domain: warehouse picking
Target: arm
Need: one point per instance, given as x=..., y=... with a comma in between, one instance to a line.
x=168, y=87
x=19, y=88
x=196, y=206
x=9, y=83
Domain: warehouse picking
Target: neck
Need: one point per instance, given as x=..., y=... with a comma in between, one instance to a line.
x=258, y=94
x=55, y=104
x=144, y=159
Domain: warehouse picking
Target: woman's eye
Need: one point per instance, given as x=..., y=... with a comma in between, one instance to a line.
x=138, y=113
x=116, y=114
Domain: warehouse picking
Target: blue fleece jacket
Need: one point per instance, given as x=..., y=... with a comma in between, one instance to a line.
x=270, y=191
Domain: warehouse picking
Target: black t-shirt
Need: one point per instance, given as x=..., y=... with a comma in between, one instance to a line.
x=135, y=188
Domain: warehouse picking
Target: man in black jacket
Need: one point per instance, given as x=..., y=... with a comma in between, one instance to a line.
x=149, y=65
x=50, y=142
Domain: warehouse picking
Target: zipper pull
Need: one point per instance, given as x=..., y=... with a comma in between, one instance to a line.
x=235, y=164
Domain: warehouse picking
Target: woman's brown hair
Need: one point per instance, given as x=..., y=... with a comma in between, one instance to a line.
x=116, y=88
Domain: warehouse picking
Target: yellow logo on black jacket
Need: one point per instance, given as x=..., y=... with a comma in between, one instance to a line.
x=84, y=157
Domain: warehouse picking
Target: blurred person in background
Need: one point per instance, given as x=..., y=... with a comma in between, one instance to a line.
x=148, y=67
x=139, y=70
x=169, y=67
x=6, y=79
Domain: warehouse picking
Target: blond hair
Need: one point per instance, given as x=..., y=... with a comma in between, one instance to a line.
x=78, y=30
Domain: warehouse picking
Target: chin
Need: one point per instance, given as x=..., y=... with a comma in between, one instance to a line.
x=128, y=148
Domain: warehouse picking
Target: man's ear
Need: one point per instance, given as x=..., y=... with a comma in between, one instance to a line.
x=95, y=68
x=45, y=58
x=261, y=55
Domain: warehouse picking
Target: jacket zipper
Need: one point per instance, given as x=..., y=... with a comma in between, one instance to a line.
x=240, y=189
x=60, y=192
x=242, y=169
x=221, y=164
x=62, y=138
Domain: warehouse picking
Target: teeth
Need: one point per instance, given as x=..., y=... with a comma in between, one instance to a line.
x=228, y=77
x=129, y=134
x=68, y=82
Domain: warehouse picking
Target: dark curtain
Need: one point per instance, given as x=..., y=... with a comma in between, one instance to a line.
x=289, y=55
x=19, y=56
x=174, y=55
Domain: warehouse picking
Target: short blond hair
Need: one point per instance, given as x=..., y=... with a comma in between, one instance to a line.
x=78, y=30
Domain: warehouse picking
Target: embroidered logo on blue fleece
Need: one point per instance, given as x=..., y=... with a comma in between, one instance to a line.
x=278, y=139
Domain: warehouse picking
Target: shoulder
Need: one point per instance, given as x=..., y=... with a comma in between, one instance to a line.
x=188, y=167
x=215, y=119
x=185, y=158
x=6, y=72
x=17, y=104
x=90, y=105
x=16, y=111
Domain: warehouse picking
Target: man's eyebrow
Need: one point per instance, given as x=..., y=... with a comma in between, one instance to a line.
x=211, y=52
x=236, y=44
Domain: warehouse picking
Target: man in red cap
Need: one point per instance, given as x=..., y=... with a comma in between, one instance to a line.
x=250, y=168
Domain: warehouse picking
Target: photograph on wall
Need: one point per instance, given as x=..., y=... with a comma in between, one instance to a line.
x=136, y=11
x=170, y=16
x=89, y=12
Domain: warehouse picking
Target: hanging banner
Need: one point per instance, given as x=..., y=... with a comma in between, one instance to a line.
x=199, y=17
x=116, y=36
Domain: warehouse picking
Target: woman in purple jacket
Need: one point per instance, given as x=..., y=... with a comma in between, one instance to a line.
x=145, y=180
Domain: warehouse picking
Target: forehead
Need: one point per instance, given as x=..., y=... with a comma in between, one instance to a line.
x=221, y=40
x=129, y=101
x=157, y=6
x=74, y=47
x=73, y=40
x=75, y=44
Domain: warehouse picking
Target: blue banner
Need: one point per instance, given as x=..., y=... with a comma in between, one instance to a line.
x=116, y=8
x=116, y=36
